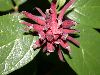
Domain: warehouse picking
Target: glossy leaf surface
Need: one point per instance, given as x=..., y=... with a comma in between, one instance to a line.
x=15, y=47
x=85, y=60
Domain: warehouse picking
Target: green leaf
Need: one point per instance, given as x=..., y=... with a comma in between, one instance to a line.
x=18, y=2
x=15, y=47
x=50, y=1
x=60, y=3
x=5, y=5
x=86, y=59
x=8, y=4
x=87, y=12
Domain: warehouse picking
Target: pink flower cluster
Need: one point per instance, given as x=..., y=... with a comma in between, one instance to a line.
x=53, y=31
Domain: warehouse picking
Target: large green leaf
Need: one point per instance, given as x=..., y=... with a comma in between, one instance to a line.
x=15, y=47
x=86, y=59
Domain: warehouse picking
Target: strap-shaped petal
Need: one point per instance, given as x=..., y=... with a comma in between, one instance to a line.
x=69, y=31
x=34, y=18
x=60, y=55
x=40, y=11
x=68, y=23
x=65, y=45
x=50, y=47
x=53, y=10
x=36, y=44
x=60, y=17
x=73, y=40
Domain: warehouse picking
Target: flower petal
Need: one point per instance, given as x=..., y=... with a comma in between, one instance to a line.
x=41, y=35
x=73, y=40
x=53, y=10
x=55, y=37
x=27, y=24
x=65, y=45
x=60, y=17
x=44, y=48
x=64, y=36
x=37, y=27
x=34, y=18
x=50, y=47
x=40, y=11
x=68, y=23
x=49, y=35
x=60, y=55
x=69, y=31
x=54, y=27
x=36, y=44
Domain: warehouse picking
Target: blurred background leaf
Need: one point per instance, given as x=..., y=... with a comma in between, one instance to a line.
x=5, y=5
x=10, y=4
x=60, y=3
x=18, y=2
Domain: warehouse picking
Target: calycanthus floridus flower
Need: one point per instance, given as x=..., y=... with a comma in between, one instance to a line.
x=52, y=30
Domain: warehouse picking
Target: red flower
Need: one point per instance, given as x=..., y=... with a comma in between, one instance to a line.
x=52, y=30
